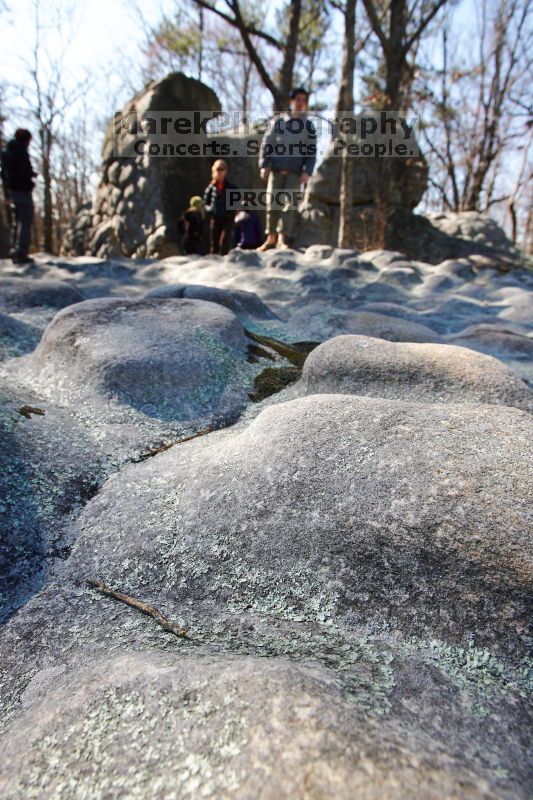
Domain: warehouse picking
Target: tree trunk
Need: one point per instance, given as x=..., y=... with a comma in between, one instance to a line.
x=345, y=104
x=48, y=232
x=289, y=57
x=201, y=47
x=394, y=84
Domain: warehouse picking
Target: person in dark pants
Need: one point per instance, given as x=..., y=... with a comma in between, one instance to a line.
x=191, y=227
x=248, y=233
x=17, y=180
x=221, y=218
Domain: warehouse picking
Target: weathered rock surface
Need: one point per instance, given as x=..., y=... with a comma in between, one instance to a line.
x=374, y=551
x=16, y=337
x=49, y=469
x=319, y=322
x=353, y=565
x=142, y=372
x=18, y=294
x=426, y=373
x=359, y=496
x=246, y=306
x=431, y=238
x=218, y=716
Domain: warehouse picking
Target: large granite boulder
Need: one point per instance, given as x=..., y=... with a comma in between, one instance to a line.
x=151, y=726
x=140, y=197
x=411, y=371
x=354, y=575
x=408, y=182
x=331, y=505
x=141, y=364
x=320, y=210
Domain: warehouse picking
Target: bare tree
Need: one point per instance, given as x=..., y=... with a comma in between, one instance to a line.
x=279, y=83
x=478, y=118
x=345, y=105
x=49, y=101
x=209, y=47
x=398, y=25
x=74, y=166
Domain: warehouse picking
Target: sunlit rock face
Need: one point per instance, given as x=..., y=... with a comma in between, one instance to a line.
x=438, y=373
x=141, y=195
x=351, y=568
x=316, y=462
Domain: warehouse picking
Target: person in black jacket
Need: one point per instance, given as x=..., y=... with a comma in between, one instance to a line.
x=17, y=180
x=221, y=218
x=191, y=226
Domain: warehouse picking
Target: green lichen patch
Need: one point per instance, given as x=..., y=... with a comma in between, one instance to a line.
x=474, y=670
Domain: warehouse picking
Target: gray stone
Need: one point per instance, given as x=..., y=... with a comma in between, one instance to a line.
x=319, y=321
x=49, y=469
x=232, y=728
x=512, y=347
x=16, y=337
x=246, y=306
x=173, y=360
x=18, y=294
x=163, y=185
x=354, y=576
x=496, y=341
x=369, y=490
x=408, y=184
x=439, y=373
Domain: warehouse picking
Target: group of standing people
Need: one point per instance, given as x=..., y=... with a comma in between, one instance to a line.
x=227, y=228
x=287, y=160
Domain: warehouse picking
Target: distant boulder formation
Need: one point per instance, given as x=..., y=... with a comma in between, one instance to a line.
x=320, y=210
x=139, y=197
x=426, y=237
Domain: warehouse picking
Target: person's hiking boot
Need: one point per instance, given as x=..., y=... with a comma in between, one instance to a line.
x=21, y=260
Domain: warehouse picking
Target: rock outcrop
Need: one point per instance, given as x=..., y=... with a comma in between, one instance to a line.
x=320, y=210
x=294, y=457
x=439, y=373
x=241, y=727
x=355, y=563
x=140, y=197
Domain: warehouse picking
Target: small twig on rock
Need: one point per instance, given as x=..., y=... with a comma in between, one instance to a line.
x=156, y=450
x=161, y=620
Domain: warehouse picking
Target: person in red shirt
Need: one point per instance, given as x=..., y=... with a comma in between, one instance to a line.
x=215, y=206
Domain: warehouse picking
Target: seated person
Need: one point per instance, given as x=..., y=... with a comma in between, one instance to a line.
x=191, y=226
x=248, y=232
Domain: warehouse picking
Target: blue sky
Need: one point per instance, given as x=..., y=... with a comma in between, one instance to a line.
x=105, y=40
